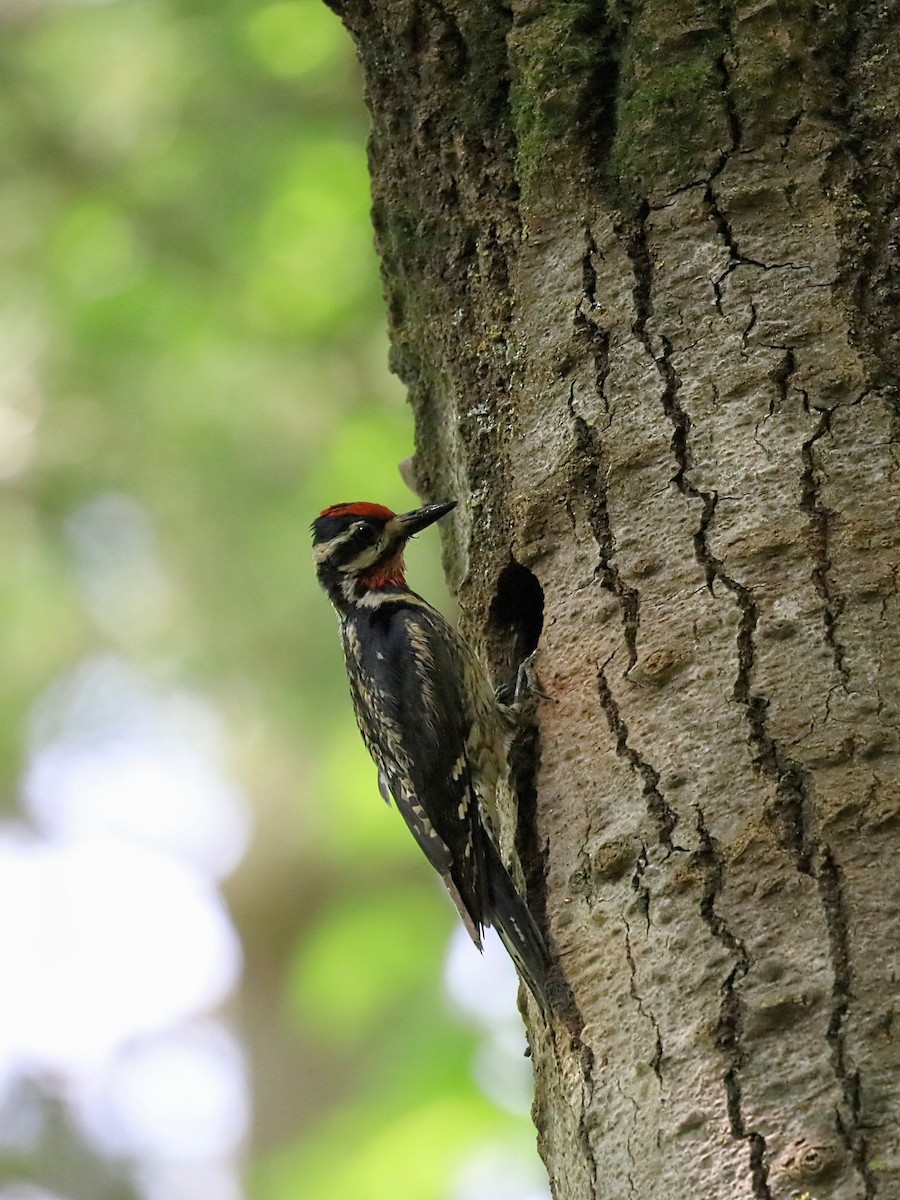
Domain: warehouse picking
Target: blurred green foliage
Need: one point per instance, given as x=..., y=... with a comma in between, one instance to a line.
x=190, y=314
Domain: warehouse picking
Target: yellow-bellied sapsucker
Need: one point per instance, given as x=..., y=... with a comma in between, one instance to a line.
x=428, y=715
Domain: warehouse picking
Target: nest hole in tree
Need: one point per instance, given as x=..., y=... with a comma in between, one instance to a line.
x=517, y=611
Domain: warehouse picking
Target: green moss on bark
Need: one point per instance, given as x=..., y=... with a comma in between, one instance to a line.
x=563, y=80
x=672, y=118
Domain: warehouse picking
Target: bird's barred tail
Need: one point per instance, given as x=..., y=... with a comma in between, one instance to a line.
x=514, y=923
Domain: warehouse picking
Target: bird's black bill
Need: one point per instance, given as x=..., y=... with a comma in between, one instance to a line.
x=421, y=518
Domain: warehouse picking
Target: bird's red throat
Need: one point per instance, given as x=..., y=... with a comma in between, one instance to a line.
x=390, y=572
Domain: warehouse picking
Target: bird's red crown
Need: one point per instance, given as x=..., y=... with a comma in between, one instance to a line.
x=359, y=508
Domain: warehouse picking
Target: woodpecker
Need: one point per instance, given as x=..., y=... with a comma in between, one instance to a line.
x=428, y=716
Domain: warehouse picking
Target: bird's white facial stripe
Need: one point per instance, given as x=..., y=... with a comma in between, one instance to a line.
x=367, y=557
x=324, y=550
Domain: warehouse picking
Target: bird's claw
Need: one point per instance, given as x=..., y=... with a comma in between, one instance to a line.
x=519, y=698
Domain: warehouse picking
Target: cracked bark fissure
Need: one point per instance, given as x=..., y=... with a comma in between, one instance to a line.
x=729, y=1027
x=821, y=520
x=641, y=268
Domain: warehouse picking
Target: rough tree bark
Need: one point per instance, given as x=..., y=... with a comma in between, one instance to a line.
x=641, y=266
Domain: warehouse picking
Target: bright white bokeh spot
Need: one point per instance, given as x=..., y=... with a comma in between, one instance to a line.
x=162, y=1180
x=164, y=795
x=21, y=1116
x=115, y=755
x=114, y=935
x=485, y=989
x=25, y=1191
x=102, y=941
x=502, y=1070
x=182, y=1095
x=484, y=986
x=502, y=1171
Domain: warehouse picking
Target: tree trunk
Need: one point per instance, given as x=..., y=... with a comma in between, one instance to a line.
x=641, y=267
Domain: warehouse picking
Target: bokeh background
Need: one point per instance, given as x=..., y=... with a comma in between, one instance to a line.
x=225, y=971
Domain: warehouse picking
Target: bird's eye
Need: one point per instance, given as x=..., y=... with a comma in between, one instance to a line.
x=363, y=533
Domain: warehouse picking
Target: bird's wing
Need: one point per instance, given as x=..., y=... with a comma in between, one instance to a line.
x=411, y=693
